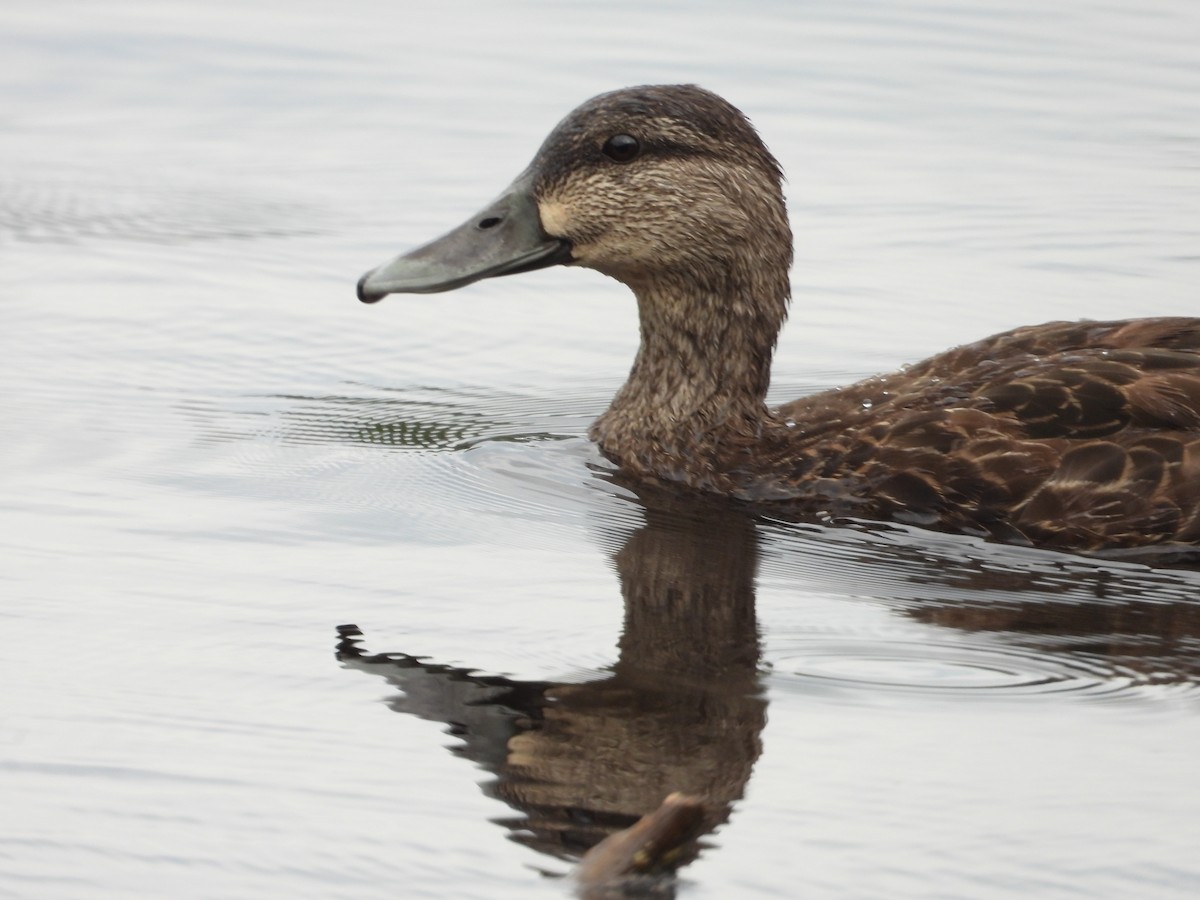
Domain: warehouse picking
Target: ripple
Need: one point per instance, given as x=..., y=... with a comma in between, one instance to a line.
x=434, y=463
x=919, y=567
x=73, y=205
x=422, y=417
x=961, y=669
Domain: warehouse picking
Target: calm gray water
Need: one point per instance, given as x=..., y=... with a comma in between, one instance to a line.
x=213, y=456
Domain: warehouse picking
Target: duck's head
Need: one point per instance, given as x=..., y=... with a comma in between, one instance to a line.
x=643, y=184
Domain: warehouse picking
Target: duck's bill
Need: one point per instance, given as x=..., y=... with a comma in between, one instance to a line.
x=504, y=238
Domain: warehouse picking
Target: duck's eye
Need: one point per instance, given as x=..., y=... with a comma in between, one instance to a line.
x=621, y=148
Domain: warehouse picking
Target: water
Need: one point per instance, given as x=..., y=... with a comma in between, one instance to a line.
x=214, y=455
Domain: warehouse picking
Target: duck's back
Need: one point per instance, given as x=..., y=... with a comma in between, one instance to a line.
x=1076, y=435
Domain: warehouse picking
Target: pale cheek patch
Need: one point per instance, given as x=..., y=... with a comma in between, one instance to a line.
x=555, y=217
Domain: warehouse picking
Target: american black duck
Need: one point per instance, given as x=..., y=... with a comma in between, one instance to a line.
x=1070, y=435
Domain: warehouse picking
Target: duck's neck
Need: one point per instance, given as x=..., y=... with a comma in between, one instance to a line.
x=695, y=398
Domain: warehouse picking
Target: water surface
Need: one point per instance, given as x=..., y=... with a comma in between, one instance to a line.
x=214, y=456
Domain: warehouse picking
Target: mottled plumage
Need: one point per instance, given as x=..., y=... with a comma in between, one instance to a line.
x=1080, y=436
x=1072, y=435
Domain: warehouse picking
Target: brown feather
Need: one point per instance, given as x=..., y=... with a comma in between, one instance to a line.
x=1080, y=435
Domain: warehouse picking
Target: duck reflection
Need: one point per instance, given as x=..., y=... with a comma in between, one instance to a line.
x=1142, y=626
x=681, y=710
x=683, y=707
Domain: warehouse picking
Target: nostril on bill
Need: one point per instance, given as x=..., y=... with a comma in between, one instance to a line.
x=491, y=222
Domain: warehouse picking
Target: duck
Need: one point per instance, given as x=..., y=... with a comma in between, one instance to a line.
x=1077, y=436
